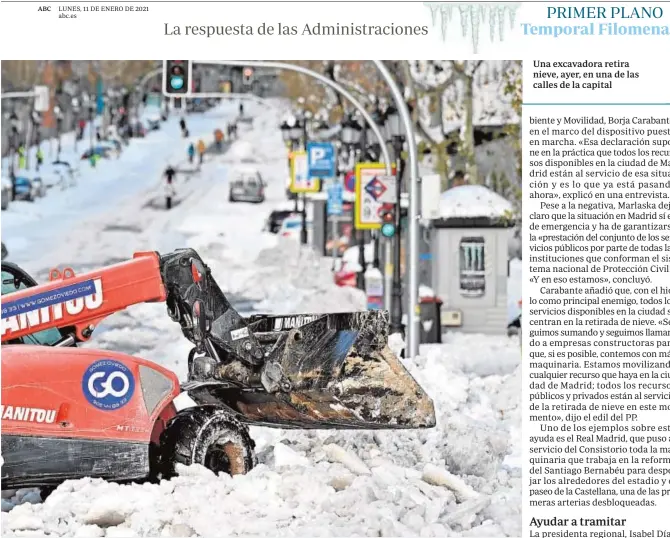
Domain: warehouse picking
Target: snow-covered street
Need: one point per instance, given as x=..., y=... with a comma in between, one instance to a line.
x=461, y=478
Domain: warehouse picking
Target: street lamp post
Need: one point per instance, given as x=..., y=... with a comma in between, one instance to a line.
x=32, y=134
x=91, y=117
x=14, y=122
x=285, y=129
x=319, y=129
x=298, y=135
x=372, y=150
x=75, y=112
x=59, y=126
x=394, y=132
x=352, y=135
x=413, y=311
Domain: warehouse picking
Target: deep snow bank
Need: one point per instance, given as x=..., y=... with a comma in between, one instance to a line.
x=330, y=483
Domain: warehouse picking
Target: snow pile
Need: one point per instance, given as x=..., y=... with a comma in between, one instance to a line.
x=437, y=482
x=293, y=279
x=473, y=201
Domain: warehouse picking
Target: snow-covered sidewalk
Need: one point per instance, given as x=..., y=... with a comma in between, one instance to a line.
x=458, y=479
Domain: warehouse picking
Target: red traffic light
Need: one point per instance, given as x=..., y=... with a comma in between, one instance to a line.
x=387, y=216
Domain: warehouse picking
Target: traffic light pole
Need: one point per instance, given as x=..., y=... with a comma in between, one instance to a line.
x=396, y=294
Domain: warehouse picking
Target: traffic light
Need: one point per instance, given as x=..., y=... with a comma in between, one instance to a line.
x=247, y=75
x=177, y=77
x=388, y=222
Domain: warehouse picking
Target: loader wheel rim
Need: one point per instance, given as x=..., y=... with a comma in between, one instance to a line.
x=226, y=456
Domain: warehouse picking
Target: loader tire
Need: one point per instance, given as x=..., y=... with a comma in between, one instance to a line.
x=209, y=436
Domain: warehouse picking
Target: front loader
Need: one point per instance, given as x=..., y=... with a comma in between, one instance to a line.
x=70, y=412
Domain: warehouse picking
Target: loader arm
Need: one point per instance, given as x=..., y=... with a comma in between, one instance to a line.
x=78, y=303
x=305, y=371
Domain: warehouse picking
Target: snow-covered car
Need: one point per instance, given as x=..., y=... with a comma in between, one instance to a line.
x=40, y=186
x=247, y=186
x=199, y=105
x=104, y=150
x=6, y=192
x=113, y=143
x=66, y=171
x=291, y=227
x=51, y=176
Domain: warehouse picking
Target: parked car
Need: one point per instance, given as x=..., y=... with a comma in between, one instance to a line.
x=27, y=189
x=274, y=222
x=291, y=227
x=247, y=186
x=6, y=192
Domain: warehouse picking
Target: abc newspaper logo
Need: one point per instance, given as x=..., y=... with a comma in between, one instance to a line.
x=108, y=384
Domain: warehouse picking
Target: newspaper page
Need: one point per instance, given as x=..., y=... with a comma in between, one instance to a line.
x=273, y=297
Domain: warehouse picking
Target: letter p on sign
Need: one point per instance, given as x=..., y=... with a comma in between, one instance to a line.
x=318, y=154
x=321, y=159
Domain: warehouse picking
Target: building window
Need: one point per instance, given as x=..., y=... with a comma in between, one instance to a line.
x=472, y=267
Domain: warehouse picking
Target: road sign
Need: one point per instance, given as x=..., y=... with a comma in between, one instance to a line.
x=321, y=159
x=350, y=182
x=373, y=190
x=335, y=199
x=247, y=75
x=301, y=182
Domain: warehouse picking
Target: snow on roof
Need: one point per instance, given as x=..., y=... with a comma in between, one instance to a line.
x=472, y=201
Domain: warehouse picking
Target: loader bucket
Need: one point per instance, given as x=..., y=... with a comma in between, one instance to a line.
x=327, y=371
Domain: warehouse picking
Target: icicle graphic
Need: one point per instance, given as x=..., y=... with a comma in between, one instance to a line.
x=465, y=12
x=501, y=20
x=445, y=18
x=473, y=17
x=434, y=6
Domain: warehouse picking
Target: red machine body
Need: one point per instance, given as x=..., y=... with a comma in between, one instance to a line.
x=71, y=412
x=54, y=427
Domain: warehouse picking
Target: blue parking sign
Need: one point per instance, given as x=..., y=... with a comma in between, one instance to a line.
x=321, y=160
x=335, y=199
